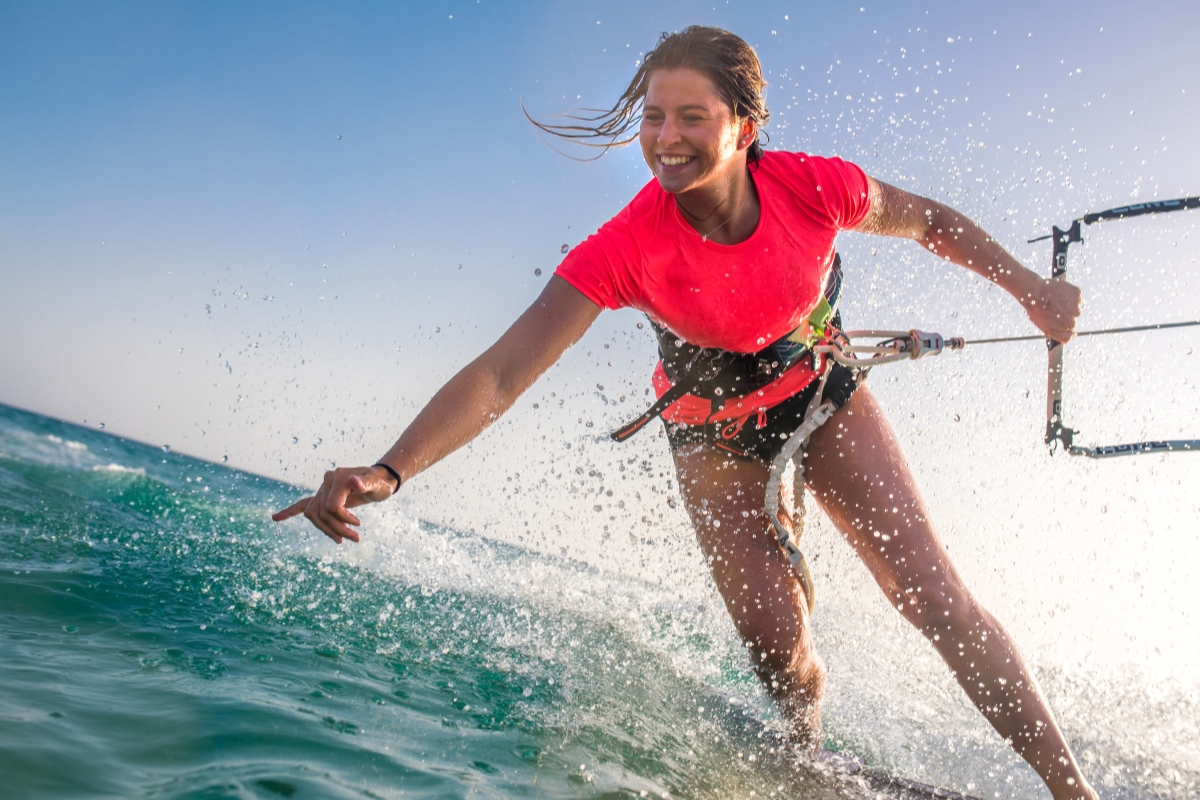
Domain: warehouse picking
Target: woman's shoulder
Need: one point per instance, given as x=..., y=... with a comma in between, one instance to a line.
x=645, y=215
x=787, y=163
x=606, y=266
x=830, y=184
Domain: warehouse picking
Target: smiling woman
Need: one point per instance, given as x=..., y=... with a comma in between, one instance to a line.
x=726, y=60
x=728, y=251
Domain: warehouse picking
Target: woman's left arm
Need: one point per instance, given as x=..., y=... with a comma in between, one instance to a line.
x=1052, y=304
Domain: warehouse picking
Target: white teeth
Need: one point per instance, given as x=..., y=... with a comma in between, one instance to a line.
x=674, y=161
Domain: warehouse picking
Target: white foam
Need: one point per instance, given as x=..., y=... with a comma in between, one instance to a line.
x=118, y=468
x=71, y=445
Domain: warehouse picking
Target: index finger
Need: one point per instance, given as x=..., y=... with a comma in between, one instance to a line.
x=292, y=510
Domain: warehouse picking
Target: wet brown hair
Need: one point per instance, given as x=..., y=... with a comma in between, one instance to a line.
x=724, y=58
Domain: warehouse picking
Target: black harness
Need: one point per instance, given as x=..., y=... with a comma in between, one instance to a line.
x=721, y=375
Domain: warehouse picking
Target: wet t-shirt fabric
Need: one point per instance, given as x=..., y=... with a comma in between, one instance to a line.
x=736, y=297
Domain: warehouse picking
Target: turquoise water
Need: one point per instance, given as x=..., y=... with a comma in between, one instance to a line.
x=161, y=637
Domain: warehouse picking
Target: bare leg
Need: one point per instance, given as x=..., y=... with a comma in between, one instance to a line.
x=858, y=474
x=725, y=500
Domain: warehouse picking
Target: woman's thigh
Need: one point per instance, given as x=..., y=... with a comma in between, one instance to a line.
x=724, y=497
x=857, y=472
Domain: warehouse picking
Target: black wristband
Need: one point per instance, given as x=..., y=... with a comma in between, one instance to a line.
x=391, y=471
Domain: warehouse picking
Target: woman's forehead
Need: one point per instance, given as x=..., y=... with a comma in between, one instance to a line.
x=681, y=86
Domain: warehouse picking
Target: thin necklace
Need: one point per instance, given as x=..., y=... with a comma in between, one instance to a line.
x=705, y=218
x=736, y=211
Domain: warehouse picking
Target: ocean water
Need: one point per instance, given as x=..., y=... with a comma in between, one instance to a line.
x=161, y=637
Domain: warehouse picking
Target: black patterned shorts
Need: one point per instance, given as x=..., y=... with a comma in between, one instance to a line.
x=762, y=444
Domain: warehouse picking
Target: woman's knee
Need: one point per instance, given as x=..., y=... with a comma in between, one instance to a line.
x=787, y=664
x=936, y=607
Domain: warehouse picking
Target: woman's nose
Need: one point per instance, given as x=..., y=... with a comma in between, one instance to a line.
x=668, y=134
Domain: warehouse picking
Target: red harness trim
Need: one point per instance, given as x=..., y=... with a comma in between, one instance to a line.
x=693, y=410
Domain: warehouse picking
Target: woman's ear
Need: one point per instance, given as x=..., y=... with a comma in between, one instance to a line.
x=748, y=133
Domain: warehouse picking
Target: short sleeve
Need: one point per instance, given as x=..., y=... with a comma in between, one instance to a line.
x=601, y=267
x=844, y=190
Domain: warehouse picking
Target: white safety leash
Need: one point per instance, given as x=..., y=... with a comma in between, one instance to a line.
x=898, y=346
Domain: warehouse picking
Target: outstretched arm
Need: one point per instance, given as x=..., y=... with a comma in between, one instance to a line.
x=1052, y=304
x=468, y=403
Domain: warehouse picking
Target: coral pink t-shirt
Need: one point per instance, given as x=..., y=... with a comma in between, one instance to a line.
x=736, y=297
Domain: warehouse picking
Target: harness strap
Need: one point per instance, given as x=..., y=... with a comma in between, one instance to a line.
x=660, y=405
x=734, y=428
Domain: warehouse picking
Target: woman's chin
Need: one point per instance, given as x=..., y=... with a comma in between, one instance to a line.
x=674, y=184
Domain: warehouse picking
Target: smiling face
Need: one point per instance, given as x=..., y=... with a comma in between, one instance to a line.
x=689, y=135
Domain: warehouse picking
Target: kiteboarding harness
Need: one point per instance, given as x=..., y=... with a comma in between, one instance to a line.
x=735, y=386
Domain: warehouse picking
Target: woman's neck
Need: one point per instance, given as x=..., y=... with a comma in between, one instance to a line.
x=726, y=213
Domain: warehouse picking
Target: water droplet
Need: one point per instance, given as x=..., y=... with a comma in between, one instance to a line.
x=564, y=248
x=166, y=448
x=437, y=330
x=101, y=426
x=224, y=459
x=957, y=418
x=761, y=340
x=339, y=136
x=639, y=326
x=718, y=391
x=538, y=271
x=295, y=440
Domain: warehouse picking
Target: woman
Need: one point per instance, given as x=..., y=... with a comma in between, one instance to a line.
x=728, y=248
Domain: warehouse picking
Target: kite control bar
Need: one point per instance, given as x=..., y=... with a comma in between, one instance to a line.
x=1057, y=431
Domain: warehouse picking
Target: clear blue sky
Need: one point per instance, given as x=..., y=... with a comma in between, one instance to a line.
x=225, y=225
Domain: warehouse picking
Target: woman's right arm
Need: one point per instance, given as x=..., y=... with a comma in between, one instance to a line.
x=468, y=403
